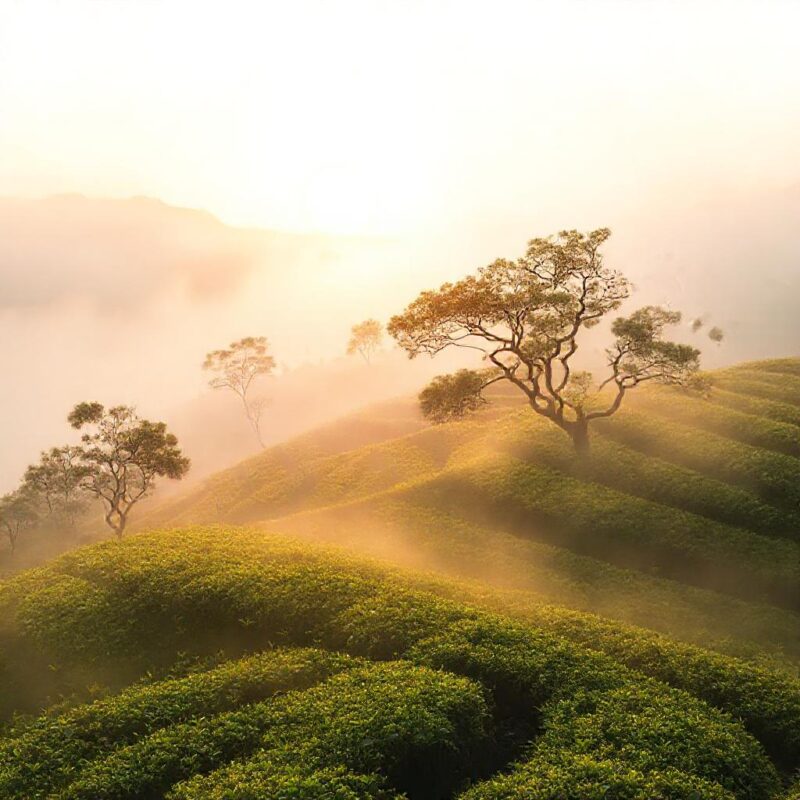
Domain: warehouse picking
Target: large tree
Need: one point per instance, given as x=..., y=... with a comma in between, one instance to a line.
x=236, y=368
x=365, y=339
x=122, y=456
x=526, y=316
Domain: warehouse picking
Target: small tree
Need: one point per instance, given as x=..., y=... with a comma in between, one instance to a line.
x=17, y=511
x=525, y=317
x=365, y=339
x=58, y=480
x=236, y=368
x=122, y=456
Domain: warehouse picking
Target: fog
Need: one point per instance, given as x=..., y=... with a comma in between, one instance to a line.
x=159, y=201
x=119, y=300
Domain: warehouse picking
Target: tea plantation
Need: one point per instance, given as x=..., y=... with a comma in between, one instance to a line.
x=536, y=626
x=239, y=665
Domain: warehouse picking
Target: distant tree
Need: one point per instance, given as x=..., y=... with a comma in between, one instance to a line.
x=365, y=339
x=716, y=334
x=18, y=510
x=236, y=368
x=58, y=480
x=122, y=456
x=525, y=317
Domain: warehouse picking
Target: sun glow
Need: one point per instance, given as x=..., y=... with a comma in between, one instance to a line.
x=356, y=117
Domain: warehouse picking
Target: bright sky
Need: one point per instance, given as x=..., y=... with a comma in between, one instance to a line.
x=388, y=116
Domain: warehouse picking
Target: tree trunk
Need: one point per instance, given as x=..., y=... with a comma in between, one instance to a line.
x=580, y=436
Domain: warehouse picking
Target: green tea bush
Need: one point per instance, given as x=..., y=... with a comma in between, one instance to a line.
x=779, y=388
x=654, y=730
x=773, y=477
x=782, y=366
x=618, y=467
x=768, y=703
x=593, y=520
x=477, y=686
x=572, y=776
x=775, y=410
x=747, y=427
x=49, y=749
x=408, y=723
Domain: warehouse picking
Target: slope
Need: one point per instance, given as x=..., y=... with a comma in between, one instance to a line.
x=239, y=665
x=684, y=518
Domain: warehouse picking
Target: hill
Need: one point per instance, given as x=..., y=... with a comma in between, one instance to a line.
x=685, y=518
x=623, y=625
x=239, y=665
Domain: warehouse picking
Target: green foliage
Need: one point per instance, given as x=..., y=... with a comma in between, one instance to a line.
x=590, y=519
x=708, y=415
x=18, y=510
x=122, y=457
x=574, y=776
x=773, y=477
x=449, y=397
x=58, y=481
x=51, y=748
x=420, y=728
x=645, y=476
x=417, y=726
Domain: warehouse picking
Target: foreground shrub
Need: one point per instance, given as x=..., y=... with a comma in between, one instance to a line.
x=571, y=776
x=50, y=749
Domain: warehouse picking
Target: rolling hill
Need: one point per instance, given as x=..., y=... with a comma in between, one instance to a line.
x=239, y=665
x=536, y=626
x=685, y=518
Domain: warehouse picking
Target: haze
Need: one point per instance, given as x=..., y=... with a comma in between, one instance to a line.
x=347, y=155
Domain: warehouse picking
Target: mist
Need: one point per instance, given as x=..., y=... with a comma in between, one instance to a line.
x=119, y=300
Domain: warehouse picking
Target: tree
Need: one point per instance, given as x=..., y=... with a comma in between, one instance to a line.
x=365, y=339
x=525, y=317
x=236, y=368
x=122, y=456
x=716, y=334
x=58, y=480
x=17, y=511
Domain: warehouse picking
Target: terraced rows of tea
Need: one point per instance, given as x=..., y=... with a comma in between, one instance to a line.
x=239, y=665
x=535, y=626
x=684, y=517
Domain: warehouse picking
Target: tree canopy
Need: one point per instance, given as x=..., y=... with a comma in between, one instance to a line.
x=236, y=368
x=365, y=339
x=525, y=317
x=57, y=479
x=18, y=510
x=122, y=455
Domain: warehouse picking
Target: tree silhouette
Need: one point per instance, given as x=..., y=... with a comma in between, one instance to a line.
x=122, y=456
x=236, y=369
x=365, y=339
x=525, y=317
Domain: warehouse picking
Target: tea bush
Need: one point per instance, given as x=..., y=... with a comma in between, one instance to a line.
x=469, y=694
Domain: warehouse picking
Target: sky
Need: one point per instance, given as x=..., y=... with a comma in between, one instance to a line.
x=393, y=116
x=309, y=164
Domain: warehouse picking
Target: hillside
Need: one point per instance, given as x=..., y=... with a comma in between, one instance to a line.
x=239, y=665
x=626, y=625
x=684, y=519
